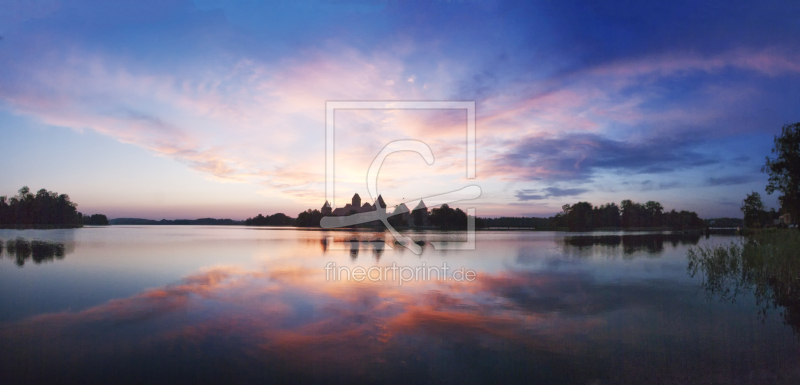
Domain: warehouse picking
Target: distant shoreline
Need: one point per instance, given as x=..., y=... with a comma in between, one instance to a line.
x=155, y=223
x=373, y=230
x=39, y=227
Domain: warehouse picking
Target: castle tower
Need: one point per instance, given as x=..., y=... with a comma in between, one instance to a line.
x=380, y=203
x=356, y=201
x=419, y=216
x=366, y=208
x=402, y=211
x=326, y=209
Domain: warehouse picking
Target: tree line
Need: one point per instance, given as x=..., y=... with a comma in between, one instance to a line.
x=582, y=216
x=279, y=219
x=172, y=222
x=444, y=217
x=44, y=209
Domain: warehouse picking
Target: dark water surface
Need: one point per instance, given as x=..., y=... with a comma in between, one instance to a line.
x=236, y=305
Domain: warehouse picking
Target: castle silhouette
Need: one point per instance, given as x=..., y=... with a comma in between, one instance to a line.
x=416, y=217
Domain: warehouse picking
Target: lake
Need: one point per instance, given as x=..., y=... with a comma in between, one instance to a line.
x=238, y=305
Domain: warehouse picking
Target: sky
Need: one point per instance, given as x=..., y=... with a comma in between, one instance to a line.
x=189, y=109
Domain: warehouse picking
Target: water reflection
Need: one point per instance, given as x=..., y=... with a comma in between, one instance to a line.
x=235, y=326
x=509, y=327
x=21, y=250
x=631, y=243
x=272, y=316
x=355, y=245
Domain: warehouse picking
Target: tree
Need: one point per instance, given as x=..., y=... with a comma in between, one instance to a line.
x=579, y=216
x=784, y=169
x=95, y=220
x=308, y=218
x=654, y=213
x=752, y=207
x=607, y=215
x=43, y=209
x=630, y=214
x=446, y=217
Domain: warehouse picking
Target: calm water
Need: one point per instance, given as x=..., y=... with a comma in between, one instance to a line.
x=191, y=304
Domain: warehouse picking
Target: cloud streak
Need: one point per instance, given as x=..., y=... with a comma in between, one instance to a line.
x=534, y=194
x=730, y=180
x=579, y=156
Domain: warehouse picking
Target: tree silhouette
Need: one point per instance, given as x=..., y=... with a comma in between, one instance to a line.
x=582, y=216
x=448, y=218
x=43, y=209
x=278, y=219
x=309, y=218
x=784, y=169
x=95, y=220
x=752, y=207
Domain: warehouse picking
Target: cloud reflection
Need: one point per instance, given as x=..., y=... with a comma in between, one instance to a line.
x=286, y=320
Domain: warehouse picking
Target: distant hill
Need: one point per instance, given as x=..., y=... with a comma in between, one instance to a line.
x=201, y=221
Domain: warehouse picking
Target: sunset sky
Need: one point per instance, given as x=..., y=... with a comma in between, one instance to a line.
x=181, y=109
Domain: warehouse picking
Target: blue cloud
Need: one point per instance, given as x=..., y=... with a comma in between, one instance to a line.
x=549, y=192
x=730, y=180
x=579, y=156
